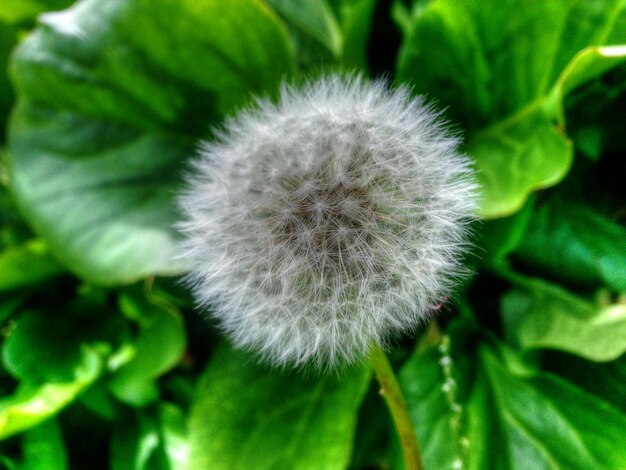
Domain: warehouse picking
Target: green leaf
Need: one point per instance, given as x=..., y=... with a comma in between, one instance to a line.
x=33, y=404
x=151, y=440
x=373, y=432
x=43, y=448
x=479, y=408
x=8, y=306
x=8, y=38
x=595, y=113
x=518, y=156
x=422, y=380
x=328, y=32
x=588, y=64
x=355, y=17
x=500, y=237
x=14, y=11
x=26, y=265
x=314, y=18
x=17, y=11
x=111, y=99
x=159, y=346
x=604, y=379
x=174, y=436
x=54, y=346
x=505, y=84
x=542, y=315
x=16, y=16
x=574, y=243
x=248, y=416
x=547, y=422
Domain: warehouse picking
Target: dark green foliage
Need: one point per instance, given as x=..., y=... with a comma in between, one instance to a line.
x=102, y=355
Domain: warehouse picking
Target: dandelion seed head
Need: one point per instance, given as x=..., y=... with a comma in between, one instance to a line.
x=327, y=222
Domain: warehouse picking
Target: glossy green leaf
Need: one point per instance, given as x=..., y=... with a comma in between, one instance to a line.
x=515, y=158
x=505, y=83
x=542, y=315
x=588, y=64
x=33, y=404
x=248, y=416
x=604, y=379
x=159, y=345
x=574, y=243
x=491, y=412
x=26, y=265
x=111, y=99
x=547, y=422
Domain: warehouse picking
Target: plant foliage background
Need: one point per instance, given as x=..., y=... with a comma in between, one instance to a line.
x=106, y=364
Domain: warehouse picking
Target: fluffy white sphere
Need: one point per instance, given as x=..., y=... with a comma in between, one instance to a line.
x=328, y=222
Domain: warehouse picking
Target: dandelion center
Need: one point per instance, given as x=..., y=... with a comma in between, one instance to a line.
x=328, y=222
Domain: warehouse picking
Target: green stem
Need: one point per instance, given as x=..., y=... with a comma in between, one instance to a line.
x=390, y=390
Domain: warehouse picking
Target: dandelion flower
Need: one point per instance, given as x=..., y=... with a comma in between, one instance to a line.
x=328, y=222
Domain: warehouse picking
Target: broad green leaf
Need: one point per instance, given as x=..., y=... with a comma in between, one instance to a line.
x=43, y=448
x=502, y=69
x=112, y=97
x=543, y=315
x=159, y=345
x=604, y=379
x=33, y=404
x=16, y=16
x=151, y=440
x=491, y=412
x=422, y=380
x=574, y=243
x=248, y=416
x=548, y=423
x=26, y=265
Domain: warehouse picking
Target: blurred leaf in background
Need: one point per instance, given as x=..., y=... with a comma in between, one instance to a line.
x=110, y=105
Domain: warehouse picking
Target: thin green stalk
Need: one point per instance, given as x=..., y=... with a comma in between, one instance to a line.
x=390, y=390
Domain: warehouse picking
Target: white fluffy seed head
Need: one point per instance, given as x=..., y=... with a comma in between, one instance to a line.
x=328, y=222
